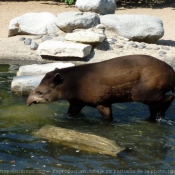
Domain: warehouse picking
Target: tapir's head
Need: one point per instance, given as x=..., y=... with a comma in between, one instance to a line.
x=49, y=90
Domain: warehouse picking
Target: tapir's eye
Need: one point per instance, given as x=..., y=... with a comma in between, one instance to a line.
x=39, y=93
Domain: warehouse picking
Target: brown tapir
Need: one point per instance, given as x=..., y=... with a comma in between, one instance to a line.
x=133, y=78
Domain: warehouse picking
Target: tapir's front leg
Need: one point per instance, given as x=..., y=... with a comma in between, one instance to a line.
x=74, y=108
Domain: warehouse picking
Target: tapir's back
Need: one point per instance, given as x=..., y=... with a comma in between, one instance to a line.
x=120, y=69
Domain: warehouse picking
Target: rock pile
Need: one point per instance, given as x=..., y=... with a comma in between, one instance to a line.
x=28, y=41
x=93, y=26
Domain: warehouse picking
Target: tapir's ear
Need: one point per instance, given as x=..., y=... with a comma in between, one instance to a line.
x=57, y=79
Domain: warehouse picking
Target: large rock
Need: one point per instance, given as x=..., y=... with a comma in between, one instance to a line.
x=142, y=28
x=33, y=23
x=98, y=6
x=25, y=84
x=64, y=49
x=41, y=69
x=85, y=36
x=68, y=21
x=81, y=141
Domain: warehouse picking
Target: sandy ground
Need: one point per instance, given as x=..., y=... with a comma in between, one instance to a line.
x=10, y=10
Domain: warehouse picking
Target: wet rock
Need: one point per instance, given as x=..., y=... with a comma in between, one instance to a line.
x=28, y=41
x=41, y=69
x=25, y=84
x=81, y=141
x=29, y=76
x=13, y=67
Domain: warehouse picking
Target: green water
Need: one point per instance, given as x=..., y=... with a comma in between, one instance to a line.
x=150, y=147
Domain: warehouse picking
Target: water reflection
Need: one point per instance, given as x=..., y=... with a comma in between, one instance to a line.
x=149, y=146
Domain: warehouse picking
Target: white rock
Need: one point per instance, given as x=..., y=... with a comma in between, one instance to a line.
x=68, y=21
x=41, y=69
x=85, y=36
x=142, y=28
x=98, y=6
x=33, y=23
x=25, y=84
x=34, y=46
x=64, y=49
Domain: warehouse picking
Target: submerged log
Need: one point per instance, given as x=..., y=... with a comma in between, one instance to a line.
x=78, y=140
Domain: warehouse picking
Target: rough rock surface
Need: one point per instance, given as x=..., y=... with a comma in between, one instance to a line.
x=68, y=21
x=98, y=6
x=33, y=23
x=142, y=28
x=25, y=84
x=41, y=69
x=85, y=36
x=64, y=49
x=78, y=140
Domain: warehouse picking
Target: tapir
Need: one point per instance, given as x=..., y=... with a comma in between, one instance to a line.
x=132, y=78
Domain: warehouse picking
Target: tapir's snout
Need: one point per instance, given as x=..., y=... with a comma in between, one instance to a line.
x=31, y=99
x=35, y=98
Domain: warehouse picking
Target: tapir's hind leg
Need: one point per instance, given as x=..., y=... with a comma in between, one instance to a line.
x=105, y=111
x=158, y=109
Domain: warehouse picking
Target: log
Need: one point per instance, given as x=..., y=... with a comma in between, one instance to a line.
x=81, y=141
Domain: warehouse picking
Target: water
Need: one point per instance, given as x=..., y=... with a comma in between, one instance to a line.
x=150, y=147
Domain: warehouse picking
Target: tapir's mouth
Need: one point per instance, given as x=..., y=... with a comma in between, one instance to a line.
x=43, y=101
x=34, y=102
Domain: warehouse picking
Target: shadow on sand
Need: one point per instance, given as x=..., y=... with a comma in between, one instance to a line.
x=120, y=3
x=133, y=4
x=166, y=42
